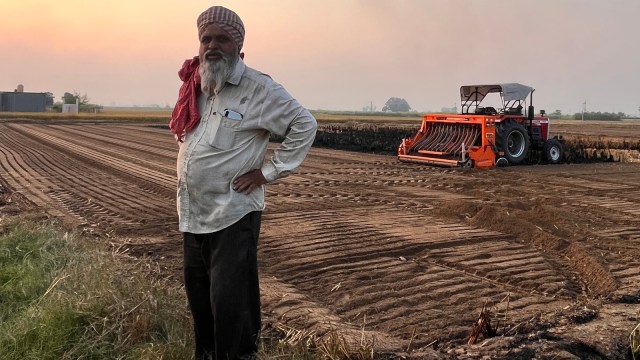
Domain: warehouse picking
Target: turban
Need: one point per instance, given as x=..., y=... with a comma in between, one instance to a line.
x=226, y=19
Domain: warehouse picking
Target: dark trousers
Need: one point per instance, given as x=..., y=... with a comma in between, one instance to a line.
x=221, y=281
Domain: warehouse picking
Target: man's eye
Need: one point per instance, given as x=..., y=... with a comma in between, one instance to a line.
x=205, y=40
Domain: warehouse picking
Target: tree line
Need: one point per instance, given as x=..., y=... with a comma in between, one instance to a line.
x=84, y=104
x=599, y=116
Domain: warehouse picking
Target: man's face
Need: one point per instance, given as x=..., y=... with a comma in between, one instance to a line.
x=214, y=42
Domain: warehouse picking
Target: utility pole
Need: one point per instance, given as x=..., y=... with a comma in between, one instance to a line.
x=584, y=109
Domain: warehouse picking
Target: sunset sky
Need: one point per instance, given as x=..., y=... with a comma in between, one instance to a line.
x=335, y=54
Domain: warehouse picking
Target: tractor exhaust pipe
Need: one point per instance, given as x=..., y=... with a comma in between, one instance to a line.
x=531, y=112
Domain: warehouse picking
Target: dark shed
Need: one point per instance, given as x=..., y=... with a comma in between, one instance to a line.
x=24, y=102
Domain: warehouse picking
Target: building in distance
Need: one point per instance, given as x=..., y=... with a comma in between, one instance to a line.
x=20, y=101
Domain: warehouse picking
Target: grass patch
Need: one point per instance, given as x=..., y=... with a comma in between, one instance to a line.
x=63, y=297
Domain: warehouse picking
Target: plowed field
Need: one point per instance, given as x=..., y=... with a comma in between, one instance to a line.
x=401, y=257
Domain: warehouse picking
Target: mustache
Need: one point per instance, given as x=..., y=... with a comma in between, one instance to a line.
x=215, y=52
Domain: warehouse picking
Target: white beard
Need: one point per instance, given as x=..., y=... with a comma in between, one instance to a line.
x=215, y=72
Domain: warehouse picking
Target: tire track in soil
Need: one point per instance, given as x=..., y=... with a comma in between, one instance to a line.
x=607, y=195
x=97, y=196
x=358, y=241
x=127, y=161
x=408, y=267
x=618, y=244
x=556, y=279
x=39, y=161
x=564, y=200
x=124, y=137
x=19, y=176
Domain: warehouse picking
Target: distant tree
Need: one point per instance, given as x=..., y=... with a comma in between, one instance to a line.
x=557, y=113
x=83, y=102
x=369, y=108
x=599, y=116
x=449, y=110
x=50, y=98
x=395, y=104
x=68, y=98
x=57, y=107
x=83, y=98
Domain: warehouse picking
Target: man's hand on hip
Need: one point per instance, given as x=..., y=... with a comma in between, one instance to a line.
x=247, y=182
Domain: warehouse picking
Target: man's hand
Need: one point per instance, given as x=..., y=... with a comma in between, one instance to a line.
x=246, y=183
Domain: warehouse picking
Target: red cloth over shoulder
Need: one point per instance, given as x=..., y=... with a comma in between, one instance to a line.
x=185, y=115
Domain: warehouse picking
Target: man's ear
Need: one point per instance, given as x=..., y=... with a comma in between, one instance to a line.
x=242, y=55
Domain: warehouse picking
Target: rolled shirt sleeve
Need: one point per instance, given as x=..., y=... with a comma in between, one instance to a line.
x=284, y=116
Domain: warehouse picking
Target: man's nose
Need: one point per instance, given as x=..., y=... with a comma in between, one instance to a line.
x=213, y=45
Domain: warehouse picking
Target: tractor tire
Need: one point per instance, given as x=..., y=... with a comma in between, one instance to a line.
x=514, y=141
x=553, y=151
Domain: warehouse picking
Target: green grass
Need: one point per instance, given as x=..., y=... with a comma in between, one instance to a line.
x=63, y=297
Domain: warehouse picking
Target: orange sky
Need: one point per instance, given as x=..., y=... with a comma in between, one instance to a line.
x=334, y=54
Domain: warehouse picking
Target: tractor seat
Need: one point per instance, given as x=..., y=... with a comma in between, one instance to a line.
x=486, y=110
x=489, y=110
x=515, y=110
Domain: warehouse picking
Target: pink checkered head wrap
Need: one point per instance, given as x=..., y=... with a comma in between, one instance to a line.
x=226, y=19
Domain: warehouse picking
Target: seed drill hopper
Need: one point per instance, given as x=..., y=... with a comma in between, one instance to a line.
x=481, y=136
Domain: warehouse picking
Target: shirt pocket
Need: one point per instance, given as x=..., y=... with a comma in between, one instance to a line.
x=227, y=133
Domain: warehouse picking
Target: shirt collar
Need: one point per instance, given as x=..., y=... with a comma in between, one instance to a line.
x=236, y=75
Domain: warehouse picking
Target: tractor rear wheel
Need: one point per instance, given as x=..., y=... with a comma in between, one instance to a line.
x=514, y=141
x=553, y=151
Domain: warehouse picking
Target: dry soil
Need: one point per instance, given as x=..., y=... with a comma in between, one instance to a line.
x=400, y=257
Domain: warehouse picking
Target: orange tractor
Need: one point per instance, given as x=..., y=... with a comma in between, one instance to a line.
x=485, y=137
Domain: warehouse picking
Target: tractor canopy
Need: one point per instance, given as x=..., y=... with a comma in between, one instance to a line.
x=509, y=92
x=512, y=94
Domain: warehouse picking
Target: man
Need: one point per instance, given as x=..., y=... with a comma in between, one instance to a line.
x=224, y=116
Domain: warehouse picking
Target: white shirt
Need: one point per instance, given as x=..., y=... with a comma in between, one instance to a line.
x=230, y=140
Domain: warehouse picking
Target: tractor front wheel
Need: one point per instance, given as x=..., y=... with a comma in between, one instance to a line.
x=514, y=141
x=553, y=151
